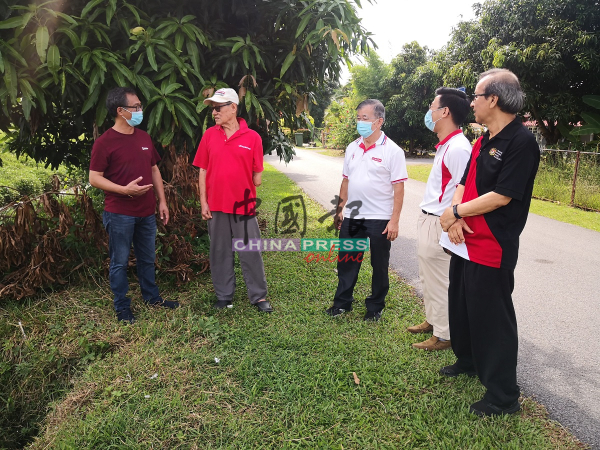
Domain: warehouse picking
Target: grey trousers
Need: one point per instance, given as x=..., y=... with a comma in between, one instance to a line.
x=221, y=229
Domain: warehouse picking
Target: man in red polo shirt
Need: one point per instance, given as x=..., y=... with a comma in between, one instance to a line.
x=230, y=158
x=490, y=208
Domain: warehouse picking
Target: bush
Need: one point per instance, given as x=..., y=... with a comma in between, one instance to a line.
x=20, y=177
x=340, y=121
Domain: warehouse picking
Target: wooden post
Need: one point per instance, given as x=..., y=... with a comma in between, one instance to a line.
x=575, y=178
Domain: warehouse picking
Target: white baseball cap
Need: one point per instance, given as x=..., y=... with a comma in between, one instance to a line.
x=224, y=95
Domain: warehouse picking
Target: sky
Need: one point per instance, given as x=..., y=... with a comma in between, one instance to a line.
x=398, y=22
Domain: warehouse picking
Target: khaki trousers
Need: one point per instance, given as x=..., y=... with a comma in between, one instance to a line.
x=434, y=266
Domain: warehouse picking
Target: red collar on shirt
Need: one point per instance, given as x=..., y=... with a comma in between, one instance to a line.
x=450, y=136
x=383, y=139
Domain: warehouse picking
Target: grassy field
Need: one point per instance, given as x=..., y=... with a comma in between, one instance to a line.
x=556, y=211
x=200, y=379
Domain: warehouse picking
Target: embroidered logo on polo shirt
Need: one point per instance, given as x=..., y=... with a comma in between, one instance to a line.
x=144, y=148
x=243, y=146
x=496, y=154
x=376, y=159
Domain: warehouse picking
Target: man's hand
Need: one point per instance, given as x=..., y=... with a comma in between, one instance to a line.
x=455, y=232
x=206, y=214
x=163, y=212
x=337, y=221
x=135, y=190
x=391, y=230
x=447, y=219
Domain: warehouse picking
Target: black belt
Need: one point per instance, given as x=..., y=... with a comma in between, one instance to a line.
x=428, y=213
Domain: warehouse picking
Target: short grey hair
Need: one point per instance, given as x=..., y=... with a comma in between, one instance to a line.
x=378, y=107
x=505, y=85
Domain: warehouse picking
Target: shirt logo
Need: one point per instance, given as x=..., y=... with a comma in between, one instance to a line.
x=144, y=148
x=376, y=159
x=496, y=154
x=243, y=146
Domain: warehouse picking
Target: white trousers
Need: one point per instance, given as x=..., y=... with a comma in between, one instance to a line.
x=434, y=266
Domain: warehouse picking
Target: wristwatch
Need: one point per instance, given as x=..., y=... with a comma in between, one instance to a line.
x=455, y=211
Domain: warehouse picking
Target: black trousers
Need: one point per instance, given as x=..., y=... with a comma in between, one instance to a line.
x=349, y=268
x=483, y=327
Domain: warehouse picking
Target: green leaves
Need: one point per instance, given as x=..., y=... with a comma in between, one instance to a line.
x=53, y=59
x=13, y=22
x=42, y=39
x=287, y=63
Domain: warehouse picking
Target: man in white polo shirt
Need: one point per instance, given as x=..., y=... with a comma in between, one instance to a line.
x=369, y=206
x=447, y=112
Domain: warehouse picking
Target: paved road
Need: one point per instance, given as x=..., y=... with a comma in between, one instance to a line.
x=556, y=297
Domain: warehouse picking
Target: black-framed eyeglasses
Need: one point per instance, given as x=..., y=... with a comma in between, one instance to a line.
x=474, y=96
x=136, y=108
x=218, y=108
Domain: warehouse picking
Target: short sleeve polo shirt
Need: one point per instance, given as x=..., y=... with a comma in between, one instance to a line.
x=451, y=157
x=122, y=158
x=506, y=164
x=371, y=174
x=229, y=165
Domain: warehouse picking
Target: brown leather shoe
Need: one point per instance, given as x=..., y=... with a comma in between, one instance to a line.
x=432, y=344
x=424, y=327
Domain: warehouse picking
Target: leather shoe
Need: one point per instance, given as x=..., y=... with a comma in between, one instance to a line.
x=454, y=371
x=264, y=306
x=432, y=344
x=424, y=327
x=484, y=408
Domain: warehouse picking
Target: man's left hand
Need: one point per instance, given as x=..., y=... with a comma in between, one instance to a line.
x=163, y=211
x=391, y=230
x=447, y=219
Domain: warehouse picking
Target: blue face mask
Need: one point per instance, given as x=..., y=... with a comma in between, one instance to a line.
x=429, y=123
x=364, y=128
x=136, y=118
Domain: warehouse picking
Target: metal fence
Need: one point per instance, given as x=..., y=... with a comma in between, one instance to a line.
x=571, y=177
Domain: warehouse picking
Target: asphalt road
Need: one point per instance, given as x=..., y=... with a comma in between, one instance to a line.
x=556, y=296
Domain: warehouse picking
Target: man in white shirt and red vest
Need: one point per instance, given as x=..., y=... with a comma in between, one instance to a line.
x=489, y=212
x=447, y=112
x=369, y=205
x=230, y=158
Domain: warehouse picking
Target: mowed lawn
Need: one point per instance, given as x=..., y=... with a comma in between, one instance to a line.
x=201, y=379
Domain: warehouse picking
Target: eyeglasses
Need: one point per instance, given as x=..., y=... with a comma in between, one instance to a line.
x=474, y=96
x=218, y=108
x=134, y=107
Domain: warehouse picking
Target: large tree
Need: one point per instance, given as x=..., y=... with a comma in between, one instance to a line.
x=554, y=48
x=59, y=58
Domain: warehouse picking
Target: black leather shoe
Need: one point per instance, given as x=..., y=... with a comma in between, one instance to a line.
x=484, y=408
x=264, y=306
x=454, y=371
x=371, y=316
x=222, y=304
x=335, y=312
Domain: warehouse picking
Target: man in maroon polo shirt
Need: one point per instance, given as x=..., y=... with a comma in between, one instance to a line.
x=490, y=208
x=123, y=165
x=230, y=158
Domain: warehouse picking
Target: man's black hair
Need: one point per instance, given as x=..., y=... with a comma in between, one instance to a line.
x=117, y=97
x=456, y=101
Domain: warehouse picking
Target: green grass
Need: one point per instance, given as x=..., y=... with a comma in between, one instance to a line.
x=419, y=172
x=567, y=214
x=562, y=213
x=283, y=380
